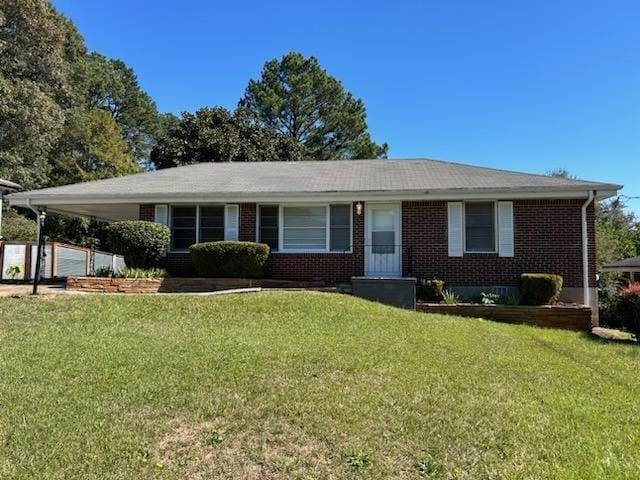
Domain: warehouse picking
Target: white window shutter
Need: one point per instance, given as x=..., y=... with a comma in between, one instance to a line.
x=231, y=222
x=161, y=214
x=456, y=237
x=505, y=229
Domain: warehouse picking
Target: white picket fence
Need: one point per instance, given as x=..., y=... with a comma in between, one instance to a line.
x=60, y=260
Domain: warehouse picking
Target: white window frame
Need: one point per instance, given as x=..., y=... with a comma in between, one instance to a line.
x=197, y=206
x=327, y=207
x=258, y=216
x=495, y=228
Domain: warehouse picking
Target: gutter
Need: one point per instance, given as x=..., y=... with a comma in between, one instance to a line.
x=585, y=250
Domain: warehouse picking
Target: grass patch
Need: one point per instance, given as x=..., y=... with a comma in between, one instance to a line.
x=300, y=385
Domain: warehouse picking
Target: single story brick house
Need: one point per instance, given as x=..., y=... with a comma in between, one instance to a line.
x=476, y=228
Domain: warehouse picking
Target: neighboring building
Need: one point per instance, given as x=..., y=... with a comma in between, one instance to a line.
x=628, y=268
x=476, y=228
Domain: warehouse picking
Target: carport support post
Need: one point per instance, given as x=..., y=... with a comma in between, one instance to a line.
x=36, y=277
x=0, y=214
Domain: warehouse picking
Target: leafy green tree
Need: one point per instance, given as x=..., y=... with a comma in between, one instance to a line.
x=75, y=230
x=617, y=232
x=40, y=45
x=91, y=148
x=16, y=227
x=562, y=173
x=113, y=86
x=299, y=99
x=217, y=135
x=30, y=125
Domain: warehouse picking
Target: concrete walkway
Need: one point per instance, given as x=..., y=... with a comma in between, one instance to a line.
x=10, y=290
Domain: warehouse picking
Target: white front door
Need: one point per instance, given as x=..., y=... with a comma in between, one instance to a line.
x=382, y=240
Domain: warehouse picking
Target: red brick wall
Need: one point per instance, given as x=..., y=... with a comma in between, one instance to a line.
x=147, y=212
x=547, y=236
x=247, y=231
x=330, y=267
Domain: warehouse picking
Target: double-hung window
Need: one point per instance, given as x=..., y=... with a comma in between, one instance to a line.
x=480, y=227
x=306, y=228
x=268, y=226
x=211, y=224
x=183, y=227
x=201, y=223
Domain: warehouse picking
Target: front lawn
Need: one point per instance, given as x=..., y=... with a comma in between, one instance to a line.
x=301, y=385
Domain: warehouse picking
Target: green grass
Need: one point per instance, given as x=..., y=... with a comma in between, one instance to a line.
x=300, y=385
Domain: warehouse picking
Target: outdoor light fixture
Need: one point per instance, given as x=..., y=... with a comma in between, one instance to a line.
x=359, y=208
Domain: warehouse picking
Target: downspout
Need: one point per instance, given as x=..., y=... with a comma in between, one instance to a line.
x=585, y=250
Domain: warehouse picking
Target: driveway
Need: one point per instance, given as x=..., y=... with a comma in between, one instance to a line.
x=8, y=290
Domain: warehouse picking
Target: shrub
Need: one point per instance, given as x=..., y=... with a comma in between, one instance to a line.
x=540, y=288
x=630, y=307
x=103, y=272
x=430, y=290
x=230, y=259
x=141, y=243
x=449, y=297
x=128, y=272
x=17, y=228
x=510, y=299
x=13, y=271
x=489, y=298
x=610, y=301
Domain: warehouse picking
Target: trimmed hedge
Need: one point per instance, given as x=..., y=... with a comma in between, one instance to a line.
x=430, y=290
x=540, y=288
x=141, y=243
x=230, y=259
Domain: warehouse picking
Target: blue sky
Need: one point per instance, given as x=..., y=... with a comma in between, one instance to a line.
x=520, y=85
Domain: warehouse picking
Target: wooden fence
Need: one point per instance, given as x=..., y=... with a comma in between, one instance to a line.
x=60, y=260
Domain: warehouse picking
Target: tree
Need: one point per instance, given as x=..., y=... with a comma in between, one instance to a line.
x=30, y=125
x=299, y=99
x=32, y=45
x=16, y=227
x=617, y=232
x=91, y=148
x=217, y=135
x=562, y=173
x=113, y=86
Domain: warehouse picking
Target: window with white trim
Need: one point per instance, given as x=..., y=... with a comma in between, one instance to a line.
x=196, y=223
x=305, y=228
x=340, y=234
x=480, y=227
x=211, y=223
x=268, y=226
x=183, y=227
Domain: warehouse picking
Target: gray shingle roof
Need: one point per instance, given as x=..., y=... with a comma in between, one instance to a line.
x=314, y=177
x=7, y=186
x=633, y=262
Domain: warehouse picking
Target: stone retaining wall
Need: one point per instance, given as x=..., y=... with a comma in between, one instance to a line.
x=553, y=316
x=176, y=284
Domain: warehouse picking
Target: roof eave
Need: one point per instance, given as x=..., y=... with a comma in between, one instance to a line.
x=603, y=191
